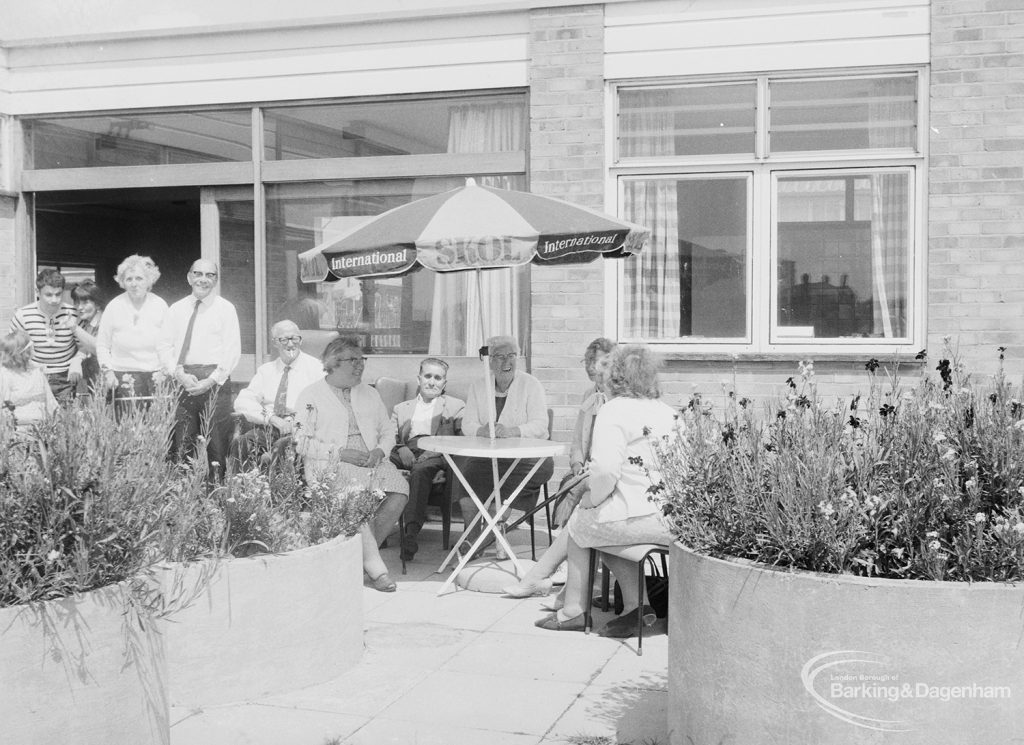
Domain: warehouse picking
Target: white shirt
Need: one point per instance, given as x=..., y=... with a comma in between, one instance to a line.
x=131, y=340
x=216, y=338
x=256, y=401
x=422, y=416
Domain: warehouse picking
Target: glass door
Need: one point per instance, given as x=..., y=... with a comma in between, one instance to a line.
x=227, y=218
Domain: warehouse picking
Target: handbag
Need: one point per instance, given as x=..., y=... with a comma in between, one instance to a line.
x=657, y=590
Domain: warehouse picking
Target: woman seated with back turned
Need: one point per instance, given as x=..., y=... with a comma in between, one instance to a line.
x=616, y=510
x=341, y=426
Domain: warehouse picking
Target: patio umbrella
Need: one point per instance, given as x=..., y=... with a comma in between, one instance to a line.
x=472, y=228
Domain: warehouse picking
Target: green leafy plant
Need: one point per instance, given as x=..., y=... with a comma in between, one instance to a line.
x=257, y=511
x=90, y=498
x=907, y=482
x=87, y=497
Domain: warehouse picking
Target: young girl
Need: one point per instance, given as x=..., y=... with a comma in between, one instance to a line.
x=24, y=393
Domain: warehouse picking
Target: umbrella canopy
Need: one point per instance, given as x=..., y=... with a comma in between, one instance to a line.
x=472, y=227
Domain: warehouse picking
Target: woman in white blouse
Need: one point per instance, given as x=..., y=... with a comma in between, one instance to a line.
x=616, y=510
x=130, y=346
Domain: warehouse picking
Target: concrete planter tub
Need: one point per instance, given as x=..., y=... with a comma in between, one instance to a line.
x=81, y=669
x=758, y=655
x=264, y=624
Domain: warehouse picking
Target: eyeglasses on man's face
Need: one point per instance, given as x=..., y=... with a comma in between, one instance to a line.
x=353, y=360
x=294, y=339
x=504, y=357
x=199, y=275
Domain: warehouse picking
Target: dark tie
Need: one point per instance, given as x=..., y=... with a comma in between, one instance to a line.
x=281, y=399
x=187, y=342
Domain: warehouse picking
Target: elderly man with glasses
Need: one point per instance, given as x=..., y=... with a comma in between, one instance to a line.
x=268, y=402
x=202, y=330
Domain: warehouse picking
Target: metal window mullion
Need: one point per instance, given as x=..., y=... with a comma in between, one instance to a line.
x=259, y=225
x=763, y=119
x=762, y=251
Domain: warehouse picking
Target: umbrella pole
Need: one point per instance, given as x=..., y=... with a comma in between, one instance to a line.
x=491, y=412
x=488, y=382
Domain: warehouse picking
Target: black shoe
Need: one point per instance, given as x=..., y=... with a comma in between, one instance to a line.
x=624, y=626
x=409, y=547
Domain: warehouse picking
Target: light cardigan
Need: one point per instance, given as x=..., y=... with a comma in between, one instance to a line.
x=617, y=486
x=525, y=407
x=131, y=340
x=321, y=423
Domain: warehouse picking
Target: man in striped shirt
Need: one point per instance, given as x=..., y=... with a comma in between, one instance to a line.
x=51, y=324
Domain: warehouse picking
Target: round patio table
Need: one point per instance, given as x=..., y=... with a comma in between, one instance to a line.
x=514, y=448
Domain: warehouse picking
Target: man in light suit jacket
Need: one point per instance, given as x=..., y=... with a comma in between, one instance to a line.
x=430, y=413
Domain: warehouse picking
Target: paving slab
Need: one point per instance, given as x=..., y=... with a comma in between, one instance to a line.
x=462, y=610
x=485, y=701
x=255, y=724
x=567, y=657
x=383, y=731
x=465, y=668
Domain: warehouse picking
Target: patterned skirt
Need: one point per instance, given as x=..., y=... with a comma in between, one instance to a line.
x=386, y=476
x=587, y=532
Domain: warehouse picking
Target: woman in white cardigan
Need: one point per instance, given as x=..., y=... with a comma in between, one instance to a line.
x=342, y=428
x=616, y=510
x=522, y=411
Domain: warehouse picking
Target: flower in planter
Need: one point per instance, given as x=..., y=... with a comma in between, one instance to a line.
x=903, y=481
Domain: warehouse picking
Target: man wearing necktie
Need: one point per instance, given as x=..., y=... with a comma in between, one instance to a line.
x=203, y=331
x=268, y=402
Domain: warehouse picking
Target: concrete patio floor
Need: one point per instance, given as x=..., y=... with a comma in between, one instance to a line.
x=465, y=668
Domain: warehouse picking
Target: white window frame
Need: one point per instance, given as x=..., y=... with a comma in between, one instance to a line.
x=762, y=233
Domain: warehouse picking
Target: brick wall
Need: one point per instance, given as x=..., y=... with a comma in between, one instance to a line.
x=566, y=161
x=976, y=180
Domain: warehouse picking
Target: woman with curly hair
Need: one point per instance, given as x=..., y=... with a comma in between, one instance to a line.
x=130, y=346
x=25, y=394
x=616, y=510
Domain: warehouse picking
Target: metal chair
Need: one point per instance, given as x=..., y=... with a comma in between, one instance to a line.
x=639, y=553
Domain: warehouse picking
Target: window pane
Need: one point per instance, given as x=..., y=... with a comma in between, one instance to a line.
x=450, y=125
x=237, y=249
x=843, y=256
x=690, y=280
x=419, y=313
x=687, y=120
x=850, y=114
x=139, y=139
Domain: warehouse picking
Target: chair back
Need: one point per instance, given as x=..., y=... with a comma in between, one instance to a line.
x=393, y=391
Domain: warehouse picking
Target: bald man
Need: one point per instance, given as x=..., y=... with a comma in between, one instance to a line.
x=202, y=330
x=268, y=402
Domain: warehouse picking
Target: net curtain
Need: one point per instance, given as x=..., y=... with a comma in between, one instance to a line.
x=651, y=280
x=892, y=117
x=455, y=327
